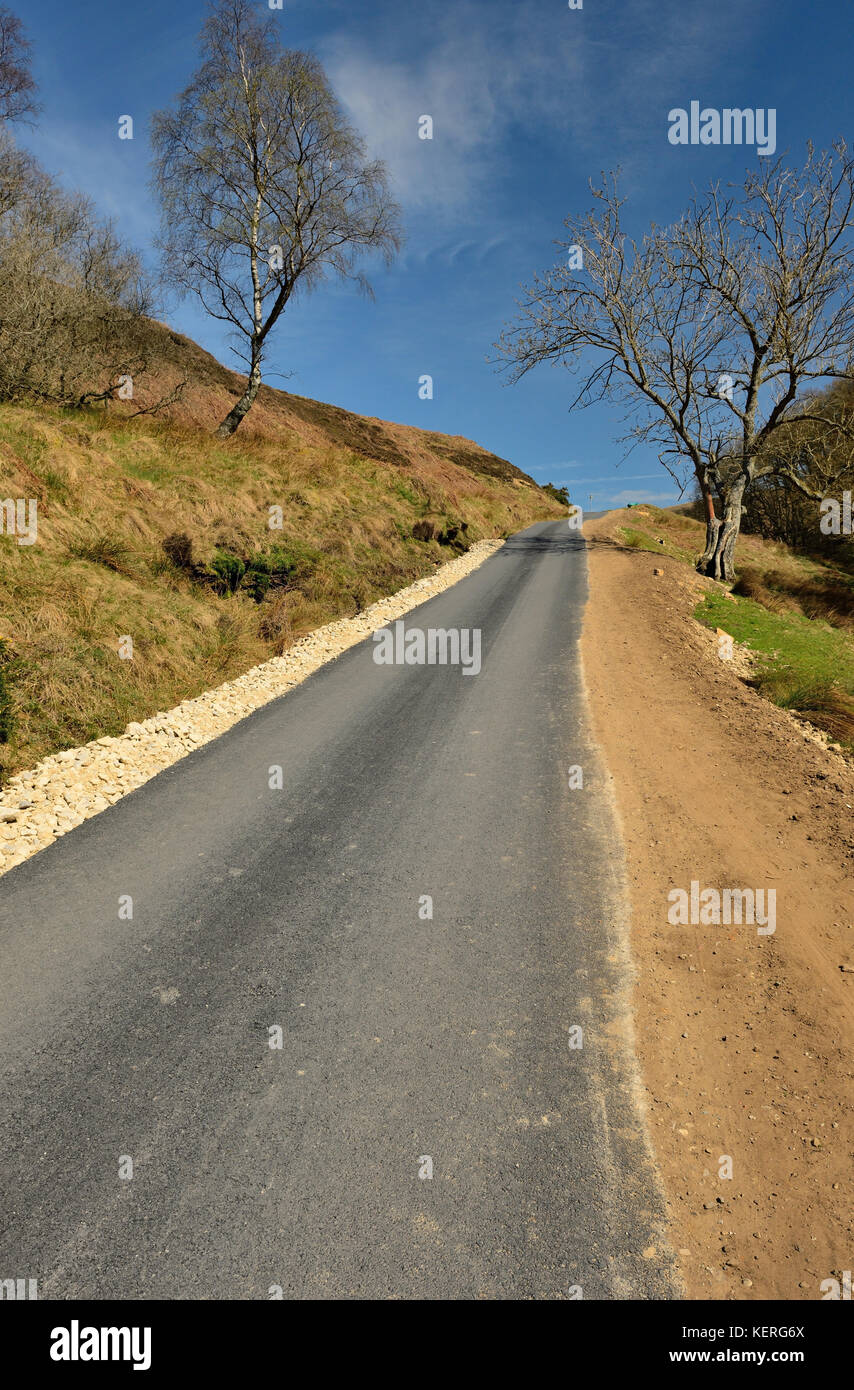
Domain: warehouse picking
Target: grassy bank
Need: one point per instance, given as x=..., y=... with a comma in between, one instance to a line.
x=156, y=531
x=795, y=612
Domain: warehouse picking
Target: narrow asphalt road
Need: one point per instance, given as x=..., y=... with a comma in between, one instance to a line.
x=405, y=1038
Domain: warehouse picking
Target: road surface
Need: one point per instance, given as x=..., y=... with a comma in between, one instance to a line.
x=409, y=1043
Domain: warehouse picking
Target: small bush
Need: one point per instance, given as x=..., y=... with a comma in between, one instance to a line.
x=560, y=494
x=179, y=550
x=270, y=570
x=454, y=535
x=229, y=569
x=258, y=577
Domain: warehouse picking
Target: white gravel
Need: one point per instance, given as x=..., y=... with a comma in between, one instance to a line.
x=38, y=806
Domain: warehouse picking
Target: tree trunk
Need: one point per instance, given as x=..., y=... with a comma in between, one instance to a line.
x=719, y=565
x=242, y=406
x=713, y=525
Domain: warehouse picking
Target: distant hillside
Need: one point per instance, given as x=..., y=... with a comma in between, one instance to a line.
x=150, y=527
x=211, y=390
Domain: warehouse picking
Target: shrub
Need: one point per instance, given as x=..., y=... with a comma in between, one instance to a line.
x=179, y=549
x=258, y=577
x=271, y=570
x=560, y=494
x=229, y=569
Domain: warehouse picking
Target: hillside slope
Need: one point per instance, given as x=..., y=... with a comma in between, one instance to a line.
x=210, y=555
x=206, y=391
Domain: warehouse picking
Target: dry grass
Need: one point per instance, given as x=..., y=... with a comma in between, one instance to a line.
x=820, y=701
x=111, y=490
x=815, y=591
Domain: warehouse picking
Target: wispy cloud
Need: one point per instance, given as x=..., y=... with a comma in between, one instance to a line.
x=487, y=77
x=477, y=79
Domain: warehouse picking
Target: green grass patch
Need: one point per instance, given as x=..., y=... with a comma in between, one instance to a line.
x=804, y=665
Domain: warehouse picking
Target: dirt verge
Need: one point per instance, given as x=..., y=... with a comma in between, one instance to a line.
x=745, y=1040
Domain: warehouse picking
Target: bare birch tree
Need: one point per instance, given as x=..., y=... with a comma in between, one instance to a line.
x=707, y=331
x=264, y=185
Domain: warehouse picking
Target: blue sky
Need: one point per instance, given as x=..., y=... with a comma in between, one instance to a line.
x=529, y=100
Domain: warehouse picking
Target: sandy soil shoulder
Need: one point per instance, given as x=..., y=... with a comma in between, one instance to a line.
x=745, y=1040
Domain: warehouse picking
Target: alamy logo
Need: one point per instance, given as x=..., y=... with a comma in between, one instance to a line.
x=834, y=1290
x=19, y=1289
x=731, y=126
x=835, y=516
x=712, y=907
x=76, y=1343
x=438, y=646
x=19, y=518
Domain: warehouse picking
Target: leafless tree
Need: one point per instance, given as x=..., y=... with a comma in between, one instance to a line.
x=17, y=85
x=74, y=301
x=264, y=185
x=804, y=462
x=707, y=331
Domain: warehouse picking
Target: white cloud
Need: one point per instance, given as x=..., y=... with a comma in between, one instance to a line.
x=475, y=81
x=489, y=76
